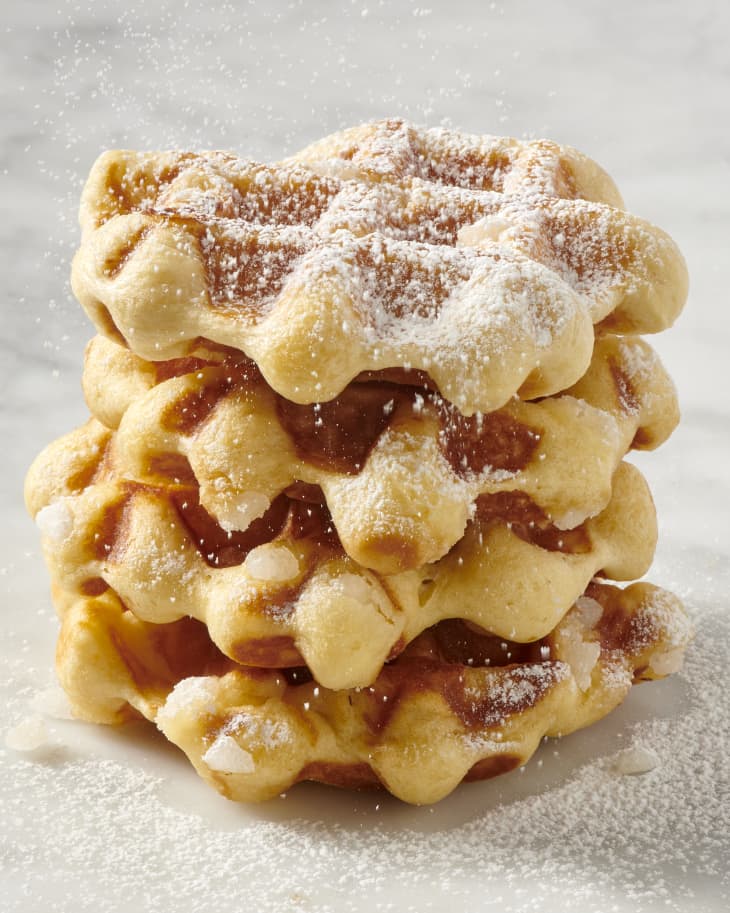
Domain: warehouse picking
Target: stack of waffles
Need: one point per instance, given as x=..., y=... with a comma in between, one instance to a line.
x=354, y=480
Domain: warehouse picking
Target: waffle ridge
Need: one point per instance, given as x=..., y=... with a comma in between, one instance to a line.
x=285, y=592
x=401, y=495
x=253, y=734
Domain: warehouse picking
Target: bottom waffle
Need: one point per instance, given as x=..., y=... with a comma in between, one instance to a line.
x=456, y=704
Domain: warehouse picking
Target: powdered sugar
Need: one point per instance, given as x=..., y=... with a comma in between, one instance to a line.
x=635, y=760
x=27, y=735
x=257, y=729
x=568, y=834
x=422, y=248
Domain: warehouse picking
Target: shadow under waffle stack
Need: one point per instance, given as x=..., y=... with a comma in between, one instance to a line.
x=356, y=458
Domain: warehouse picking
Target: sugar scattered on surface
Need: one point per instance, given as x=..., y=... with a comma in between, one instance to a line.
x=635, y=760
x=27, y=735
x=52, y=702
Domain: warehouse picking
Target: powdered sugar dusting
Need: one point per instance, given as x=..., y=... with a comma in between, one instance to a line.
x=256, y=729
x=436, y=249
x=580, y=839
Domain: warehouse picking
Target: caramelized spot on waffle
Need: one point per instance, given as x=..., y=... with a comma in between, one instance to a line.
x=396, y=683
x=177, y=650
x=110, y=531
x=189, y=412
x=227, y=549
x=119, y=256
x=297, y=676
x=172, y=467
x=522, y=689
x=469, y=169
x=624, y=388
x=393, y=545
x=439, y=659
x=409, y=377
x=643, y=440
x=244, y=270
x=404, y=281
x=493, y=767
x=459, y=643
x=496, y=441
x=314, y=522
x=94, y=586
x=175, y=367
x=617, y=630
x=530, y=523
x=85, y=476
x=267, y=652
x=188, y=650
x=128, y=193
x=338, y=435
x=345, y=776
x=305, y=491
x=280, y=197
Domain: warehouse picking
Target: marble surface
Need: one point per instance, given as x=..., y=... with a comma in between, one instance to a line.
x=644, y=89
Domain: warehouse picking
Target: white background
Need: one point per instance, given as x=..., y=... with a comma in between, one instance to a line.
x=112, y=820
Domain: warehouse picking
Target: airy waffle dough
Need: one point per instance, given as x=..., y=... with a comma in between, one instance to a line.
x=402, y=496
x=482, y=261
x=454, y=705
x=285, y=592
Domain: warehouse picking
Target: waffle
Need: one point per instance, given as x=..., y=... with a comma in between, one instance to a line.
x=480, y=262
x=284, y=592
x=354, y=475
x=455, y=705
x=400, y=470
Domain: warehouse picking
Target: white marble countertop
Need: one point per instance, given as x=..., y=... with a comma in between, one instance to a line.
x=643, y=88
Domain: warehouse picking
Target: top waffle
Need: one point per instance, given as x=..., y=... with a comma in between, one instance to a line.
x=482, y=262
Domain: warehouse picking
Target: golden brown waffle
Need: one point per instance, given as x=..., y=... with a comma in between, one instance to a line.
x=455, y=705
x=355, y=461
x=284, y=592
x=400, y=470
x=480, y=262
